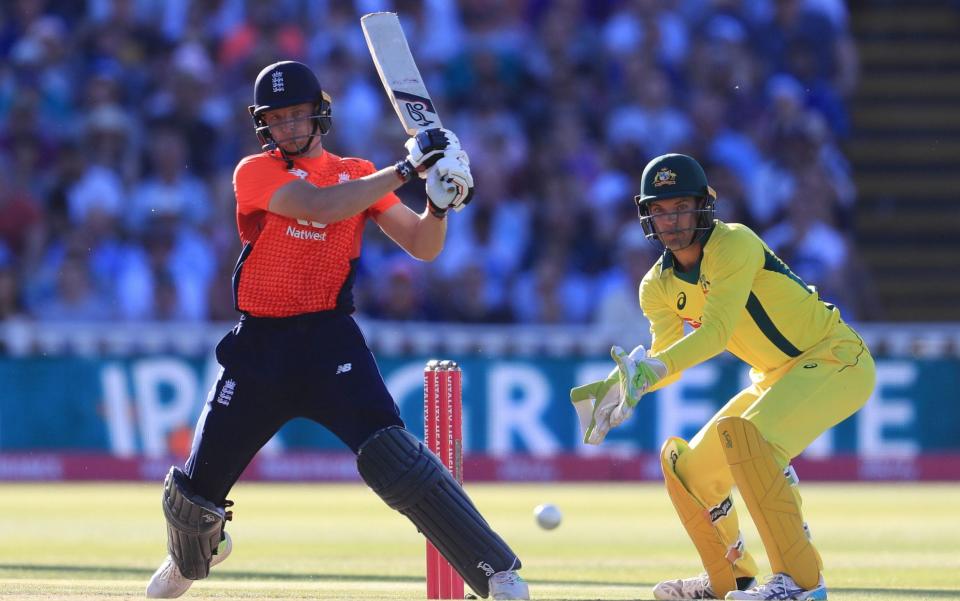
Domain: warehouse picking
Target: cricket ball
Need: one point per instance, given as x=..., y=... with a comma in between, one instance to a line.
x=548, y=515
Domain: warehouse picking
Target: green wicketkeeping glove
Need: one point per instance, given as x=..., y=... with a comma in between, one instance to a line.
x=637, y=374
x=594, y=403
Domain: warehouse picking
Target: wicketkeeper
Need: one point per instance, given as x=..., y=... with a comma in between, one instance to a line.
x=809, y=372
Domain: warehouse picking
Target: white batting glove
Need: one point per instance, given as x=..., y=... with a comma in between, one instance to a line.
x=449, y=183
x=428, y=147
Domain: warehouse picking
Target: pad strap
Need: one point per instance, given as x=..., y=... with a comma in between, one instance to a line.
x=412, y=480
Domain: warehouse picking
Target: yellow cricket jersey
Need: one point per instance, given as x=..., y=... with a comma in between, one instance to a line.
x=740, y=297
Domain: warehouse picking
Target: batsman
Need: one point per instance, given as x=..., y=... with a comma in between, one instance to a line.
x=809, y=371
x=297, y=351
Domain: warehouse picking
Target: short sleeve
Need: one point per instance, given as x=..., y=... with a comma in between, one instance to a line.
x=385, y=202
x=255, y=180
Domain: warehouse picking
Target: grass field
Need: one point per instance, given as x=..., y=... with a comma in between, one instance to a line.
x=93, y=541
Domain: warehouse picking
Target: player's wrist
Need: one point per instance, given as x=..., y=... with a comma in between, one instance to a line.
x=436, y=211
x=405, y=170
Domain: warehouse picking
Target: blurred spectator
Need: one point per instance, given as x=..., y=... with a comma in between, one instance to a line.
x=402, y=294
x=169, y=189
x=551, y=292
x=618, y=307
x=807, y=239
x=21, y=221
x=76, y=299
x=732, y=203
x=121, y=123
x=11, y=300
x=652, y=122
x=471, y=298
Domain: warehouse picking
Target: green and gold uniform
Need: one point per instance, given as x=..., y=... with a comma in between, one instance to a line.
x=809, y=372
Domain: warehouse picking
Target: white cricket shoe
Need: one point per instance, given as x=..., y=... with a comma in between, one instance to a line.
x=168, y=583
x=697, y=587
x=508, y=585
x=782, y=586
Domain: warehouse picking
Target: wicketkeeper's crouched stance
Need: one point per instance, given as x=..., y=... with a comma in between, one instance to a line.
x=297, y=352
x=809, y=372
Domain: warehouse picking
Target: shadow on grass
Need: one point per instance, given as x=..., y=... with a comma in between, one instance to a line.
x=319, y=576
x=246, y=575
x=912, y=592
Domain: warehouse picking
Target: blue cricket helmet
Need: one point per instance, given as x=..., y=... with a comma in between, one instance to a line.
x=284, y=84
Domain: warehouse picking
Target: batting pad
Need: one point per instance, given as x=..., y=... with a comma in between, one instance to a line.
x=770, y=499
x=696, y=520
x=412, y=480
x=194, y=525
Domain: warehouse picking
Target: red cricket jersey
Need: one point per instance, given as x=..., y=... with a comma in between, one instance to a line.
x=290, y=266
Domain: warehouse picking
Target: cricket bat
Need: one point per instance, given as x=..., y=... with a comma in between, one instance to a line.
x=398, y=72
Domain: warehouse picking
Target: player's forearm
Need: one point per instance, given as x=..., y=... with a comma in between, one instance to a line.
x=694, y=348
x=329, y=204
x=428, y=237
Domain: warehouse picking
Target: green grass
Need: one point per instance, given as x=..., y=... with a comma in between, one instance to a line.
x=88, y=541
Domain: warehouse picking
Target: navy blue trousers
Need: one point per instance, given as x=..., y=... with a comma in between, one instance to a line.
x=315, y=366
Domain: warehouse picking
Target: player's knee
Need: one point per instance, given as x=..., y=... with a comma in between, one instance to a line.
x=398, y=467
x=703, y=473
x=783, y=444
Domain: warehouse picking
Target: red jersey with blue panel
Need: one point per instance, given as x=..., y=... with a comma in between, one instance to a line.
x=294, y=266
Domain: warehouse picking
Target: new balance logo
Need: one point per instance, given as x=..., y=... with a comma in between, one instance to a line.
x=226, y=393
x=342, y=369
x=298, y=172
x=487, y=569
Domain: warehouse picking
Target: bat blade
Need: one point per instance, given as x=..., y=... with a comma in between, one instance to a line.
x=398, y=72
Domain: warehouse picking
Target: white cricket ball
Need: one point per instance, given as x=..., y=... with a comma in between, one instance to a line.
x=548, y=516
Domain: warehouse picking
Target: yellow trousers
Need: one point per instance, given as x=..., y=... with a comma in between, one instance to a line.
x=791, y=407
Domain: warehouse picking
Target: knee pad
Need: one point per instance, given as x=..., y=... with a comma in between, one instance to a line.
x=768, y=494
x=717, y=552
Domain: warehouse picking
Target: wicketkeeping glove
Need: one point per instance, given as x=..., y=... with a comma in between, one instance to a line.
x=594, y=402
x=637, y=374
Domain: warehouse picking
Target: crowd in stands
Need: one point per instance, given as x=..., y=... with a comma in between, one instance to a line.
x=121, y=122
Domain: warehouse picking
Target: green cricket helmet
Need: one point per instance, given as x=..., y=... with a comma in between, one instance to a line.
x=675, y=176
